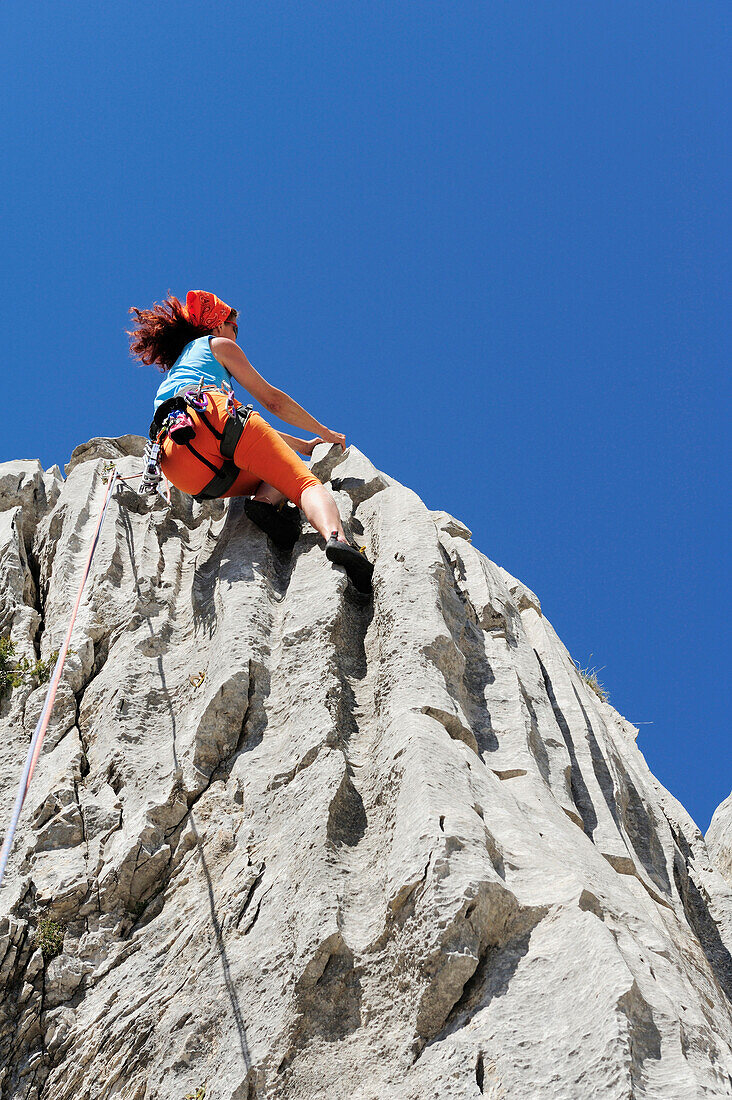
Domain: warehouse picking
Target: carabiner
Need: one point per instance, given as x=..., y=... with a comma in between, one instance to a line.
x=196, y=399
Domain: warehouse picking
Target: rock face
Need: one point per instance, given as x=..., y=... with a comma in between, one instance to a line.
x=301, y=844
x=719, y=838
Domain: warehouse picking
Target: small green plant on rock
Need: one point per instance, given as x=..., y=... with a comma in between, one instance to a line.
x=13, y=673
x=589, y=675
x=38, y=671
x=9, y=675
x=50, y=938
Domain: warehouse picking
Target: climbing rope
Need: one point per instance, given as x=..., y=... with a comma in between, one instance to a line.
x=42, y=725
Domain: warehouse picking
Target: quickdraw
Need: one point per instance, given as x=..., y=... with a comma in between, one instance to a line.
x=152, y=474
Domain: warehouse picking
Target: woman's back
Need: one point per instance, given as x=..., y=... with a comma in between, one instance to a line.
x=195, y=360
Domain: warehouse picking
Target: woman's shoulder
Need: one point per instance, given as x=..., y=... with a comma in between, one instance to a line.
x=219, y=350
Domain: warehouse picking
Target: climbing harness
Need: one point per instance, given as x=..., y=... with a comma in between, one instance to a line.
x=36, y=744
x=172, y=419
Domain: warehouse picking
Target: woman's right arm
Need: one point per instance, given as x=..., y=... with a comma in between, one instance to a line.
x=275, y=401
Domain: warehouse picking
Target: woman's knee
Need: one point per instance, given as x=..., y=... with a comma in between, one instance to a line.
x=268, y=493
x=314, y=490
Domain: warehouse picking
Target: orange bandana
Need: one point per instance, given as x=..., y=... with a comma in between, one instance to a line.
x=205, y=310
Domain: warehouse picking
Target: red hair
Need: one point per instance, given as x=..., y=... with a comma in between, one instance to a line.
x=161, y=333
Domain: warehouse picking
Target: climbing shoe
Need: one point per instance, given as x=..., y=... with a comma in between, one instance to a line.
x=280, y=521
x=354, y=561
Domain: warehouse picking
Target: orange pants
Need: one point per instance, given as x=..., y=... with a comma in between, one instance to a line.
x=261, y=455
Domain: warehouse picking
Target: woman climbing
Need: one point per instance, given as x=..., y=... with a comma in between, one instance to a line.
x=211, y=446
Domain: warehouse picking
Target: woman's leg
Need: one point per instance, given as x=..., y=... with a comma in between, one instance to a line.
x=317, y=504
x=322, y=511
x=262, y=451
x=269, y=494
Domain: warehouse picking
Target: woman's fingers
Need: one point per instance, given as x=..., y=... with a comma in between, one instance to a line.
x=336, y=437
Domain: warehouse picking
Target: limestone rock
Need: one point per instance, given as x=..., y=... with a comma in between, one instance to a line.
x=719, y=838
x=26, y=484
x=301, y=843
x=110, y=449
x=445, y=522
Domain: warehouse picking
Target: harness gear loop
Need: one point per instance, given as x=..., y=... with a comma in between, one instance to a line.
x=231, y=400
x=197, y=398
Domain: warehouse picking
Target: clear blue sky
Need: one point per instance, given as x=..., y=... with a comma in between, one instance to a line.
x=488, y=241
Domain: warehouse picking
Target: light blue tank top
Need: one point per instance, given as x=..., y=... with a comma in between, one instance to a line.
x=195, y=360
